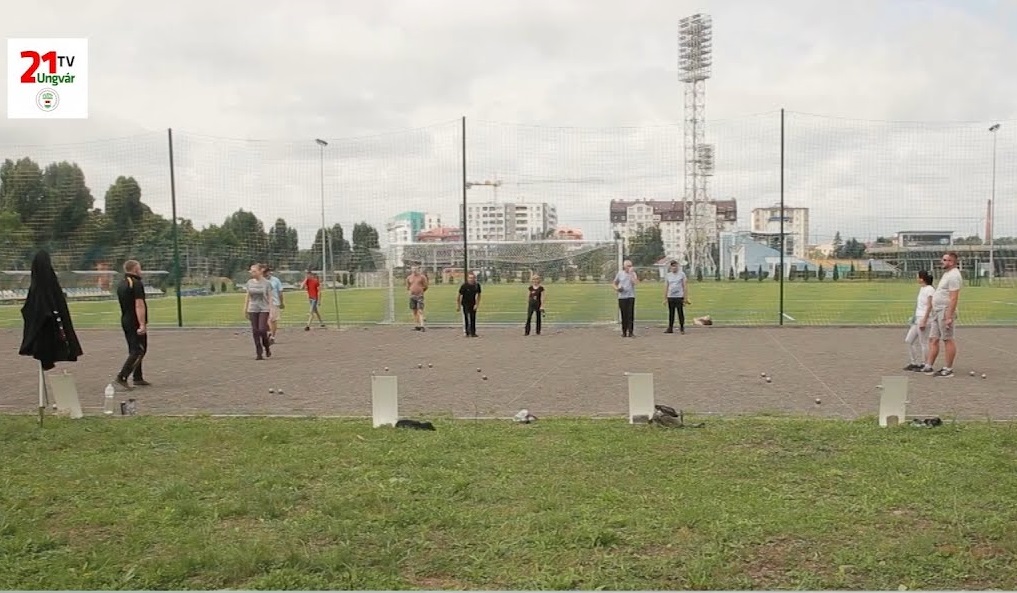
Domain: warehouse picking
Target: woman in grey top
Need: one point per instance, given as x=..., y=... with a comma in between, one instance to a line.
x=257, y=305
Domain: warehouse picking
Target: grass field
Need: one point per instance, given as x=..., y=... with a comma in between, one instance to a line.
x=766, y=503
x=730, y=303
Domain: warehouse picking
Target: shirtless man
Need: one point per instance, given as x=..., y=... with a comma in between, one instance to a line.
x=416, y=284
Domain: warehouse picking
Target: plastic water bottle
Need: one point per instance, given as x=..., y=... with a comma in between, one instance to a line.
x=108, y=404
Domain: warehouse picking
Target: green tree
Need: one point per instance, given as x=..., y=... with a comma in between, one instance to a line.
x=283, y=246
x=124, y=208
x=731, y=274
x=759, y=273
x=365, y=245
x=21, y=188
x=745, y=273
x=646, y=248
x=821, y=274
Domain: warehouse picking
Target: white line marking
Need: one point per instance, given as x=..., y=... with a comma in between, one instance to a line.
x=813, y=373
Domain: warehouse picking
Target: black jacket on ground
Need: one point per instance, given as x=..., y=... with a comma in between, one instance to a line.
x=49, y=334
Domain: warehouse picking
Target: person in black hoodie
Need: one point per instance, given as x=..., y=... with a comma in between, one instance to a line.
x=49, y=335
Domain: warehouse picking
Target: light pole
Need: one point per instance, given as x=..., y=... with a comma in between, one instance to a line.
x=324, y=265
x=992, y=208
x=321, y=151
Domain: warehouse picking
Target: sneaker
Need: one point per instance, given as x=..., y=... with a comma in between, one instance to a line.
x=669, y=331
x=682, y=331
x=141, y=383
x=944, y=373
x=928, y=370
x=914, y=367
x=268, y=352
x=307, y=328
x=122, y=383
x=259, y=357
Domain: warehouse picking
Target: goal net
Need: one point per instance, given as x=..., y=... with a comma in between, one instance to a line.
x=576, y=276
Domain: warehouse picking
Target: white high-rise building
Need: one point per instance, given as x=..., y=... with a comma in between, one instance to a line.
x=766, y=228
x=518, y=221
x=631, y=217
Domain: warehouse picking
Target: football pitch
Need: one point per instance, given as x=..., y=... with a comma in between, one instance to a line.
x=727, y=302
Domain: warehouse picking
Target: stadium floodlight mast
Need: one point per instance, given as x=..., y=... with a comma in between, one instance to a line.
x=695, y=61
x=992, y=208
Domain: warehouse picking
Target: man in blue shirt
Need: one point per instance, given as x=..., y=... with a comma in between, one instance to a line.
x=676, y=296
x=277, y=304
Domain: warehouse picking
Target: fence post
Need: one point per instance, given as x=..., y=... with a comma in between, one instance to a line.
x=620, y=246
x=176, y=232
x=782, y=266
x=392, y=251
x=466, y=244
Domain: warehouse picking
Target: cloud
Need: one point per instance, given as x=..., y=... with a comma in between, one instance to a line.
x=385, y=82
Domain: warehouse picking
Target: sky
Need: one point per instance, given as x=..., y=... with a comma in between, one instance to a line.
x=573, y=102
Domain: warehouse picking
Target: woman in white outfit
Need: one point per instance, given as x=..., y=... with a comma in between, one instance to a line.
x=917, y=338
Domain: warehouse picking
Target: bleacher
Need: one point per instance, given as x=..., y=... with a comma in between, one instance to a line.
x=91, y=291
x=78, y=293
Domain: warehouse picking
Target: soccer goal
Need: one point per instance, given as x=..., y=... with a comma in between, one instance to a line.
x=577, y=277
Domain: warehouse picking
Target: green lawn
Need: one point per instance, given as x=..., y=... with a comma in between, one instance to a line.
x=159, y=503
x=728, y=302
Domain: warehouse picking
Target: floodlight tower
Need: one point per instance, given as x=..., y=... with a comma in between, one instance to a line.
x=695, y=59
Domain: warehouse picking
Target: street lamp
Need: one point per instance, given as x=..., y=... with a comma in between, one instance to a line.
x=992, y=207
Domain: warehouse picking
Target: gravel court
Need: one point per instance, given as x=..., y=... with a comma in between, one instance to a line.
x=564, y=372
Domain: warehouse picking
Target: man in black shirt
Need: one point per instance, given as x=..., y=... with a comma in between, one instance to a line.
x=134, y=322
x=468, y=300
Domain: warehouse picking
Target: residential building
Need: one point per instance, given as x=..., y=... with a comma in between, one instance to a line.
x=631, y=217
x=403, y=229
x=766, y=227
x=508, y=221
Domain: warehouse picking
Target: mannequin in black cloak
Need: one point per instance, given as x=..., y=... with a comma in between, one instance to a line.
x=49, y=334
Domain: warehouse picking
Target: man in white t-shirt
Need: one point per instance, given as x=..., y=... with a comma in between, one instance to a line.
x=676, y=296
x=944, y=312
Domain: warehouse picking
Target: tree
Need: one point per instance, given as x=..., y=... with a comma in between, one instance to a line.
x=746, y=273
x=870, y=270
x=282, y=244
x=731, y=274
x=821, y=274
x=647, y=247
x=836, y=272
x=15, y=241
x=21, y=188
x=853, y=249
x=972, y=240
x=124, y=208
x=759, y=273
x=365, y=238
x=68, y=201
x=838, y=244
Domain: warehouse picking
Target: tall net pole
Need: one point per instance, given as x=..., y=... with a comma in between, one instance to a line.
x=695, y=49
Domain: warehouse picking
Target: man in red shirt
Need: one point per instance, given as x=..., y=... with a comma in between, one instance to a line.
x=313, y=287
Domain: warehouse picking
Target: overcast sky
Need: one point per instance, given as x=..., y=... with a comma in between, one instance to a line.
x=574, y=102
